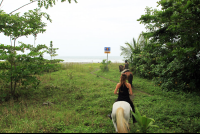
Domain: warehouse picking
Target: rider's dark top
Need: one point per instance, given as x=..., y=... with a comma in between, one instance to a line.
x=124, y=96
x=123, y=93
x=126, y=66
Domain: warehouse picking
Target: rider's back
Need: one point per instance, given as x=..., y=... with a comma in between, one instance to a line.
x=126, y=66
x=123, y=93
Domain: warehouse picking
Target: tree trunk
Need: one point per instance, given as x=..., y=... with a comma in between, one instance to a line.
x=11, y=66
x=15, y=69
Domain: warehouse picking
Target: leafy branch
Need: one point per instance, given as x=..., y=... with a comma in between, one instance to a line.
x=1, y=2
x=41, y=3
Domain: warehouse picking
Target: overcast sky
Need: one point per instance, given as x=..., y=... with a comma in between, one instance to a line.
x=86, y=27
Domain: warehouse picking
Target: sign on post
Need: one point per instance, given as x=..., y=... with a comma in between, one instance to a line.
x=106, y=49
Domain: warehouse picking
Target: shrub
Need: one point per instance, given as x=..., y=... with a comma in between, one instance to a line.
x=104, y=65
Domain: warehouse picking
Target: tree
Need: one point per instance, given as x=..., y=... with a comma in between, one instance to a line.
x=21, y=68
x=52, y=51
x=174, y=36
x=134, y=48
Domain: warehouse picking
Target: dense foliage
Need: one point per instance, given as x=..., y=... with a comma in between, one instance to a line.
x=19, y=70
x=133, y=49
x=171, y=56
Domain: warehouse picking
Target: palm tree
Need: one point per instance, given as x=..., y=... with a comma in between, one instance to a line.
x=134, y=48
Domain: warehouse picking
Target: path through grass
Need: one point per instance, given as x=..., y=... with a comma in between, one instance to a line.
x=80, y=102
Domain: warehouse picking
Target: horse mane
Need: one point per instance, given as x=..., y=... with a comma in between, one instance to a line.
x=122, y=124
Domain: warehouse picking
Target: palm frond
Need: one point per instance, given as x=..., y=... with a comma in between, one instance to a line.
x=130, y=46
x=134, y=47
x=125, y=51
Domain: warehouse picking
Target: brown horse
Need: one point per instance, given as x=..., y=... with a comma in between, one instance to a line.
x=128, y=73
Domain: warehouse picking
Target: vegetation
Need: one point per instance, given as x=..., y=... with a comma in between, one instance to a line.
x=49, y=3
x=130, y=52
x=74, y=100
x=39, y=95
x=171, y=56
x=52, y=51
x=41, y=3
x=104, y=65
x=19, y=70
x=143, y=121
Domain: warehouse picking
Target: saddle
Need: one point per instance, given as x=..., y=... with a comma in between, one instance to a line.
x=125, y=70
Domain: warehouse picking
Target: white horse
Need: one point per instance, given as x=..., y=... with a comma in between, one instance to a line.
x=121, y=115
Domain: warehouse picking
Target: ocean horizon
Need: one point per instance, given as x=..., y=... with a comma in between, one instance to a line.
x=87, y=59
x=92, y=59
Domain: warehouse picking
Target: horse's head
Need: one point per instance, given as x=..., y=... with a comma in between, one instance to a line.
x=121, y=68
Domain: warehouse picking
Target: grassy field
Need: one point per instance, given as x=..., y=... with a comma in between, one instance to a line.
x=79, y=97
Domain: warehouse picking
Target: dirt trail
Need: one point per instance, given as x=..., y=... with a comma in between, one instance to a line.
x=116, y=82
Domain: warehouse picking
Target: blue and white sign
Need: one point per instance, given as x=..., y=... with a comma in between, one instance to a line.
x=106, y=49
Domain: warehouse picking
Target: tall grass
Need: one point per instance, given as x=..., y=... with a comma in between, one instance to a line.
x=74, y=100
x=70, y=91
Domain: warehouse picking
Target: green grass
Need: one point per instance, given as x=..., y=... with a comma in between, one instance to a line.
x=81, y=102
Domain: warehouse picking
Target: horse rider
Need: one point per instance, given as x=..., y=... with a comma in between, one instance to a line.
x=123, y=95
x=126, y=68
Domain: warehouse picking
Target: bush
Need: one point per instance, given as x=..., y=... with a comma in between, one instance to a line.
x=104, y=66
x=171, y=57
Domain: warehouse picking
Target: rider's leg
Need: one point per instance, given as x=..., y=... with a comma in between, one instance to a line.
x=133, y=109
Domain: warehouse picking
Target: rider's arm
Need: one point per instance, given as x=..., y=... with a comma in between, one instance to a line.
x=117, y=87
x=130, y=89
